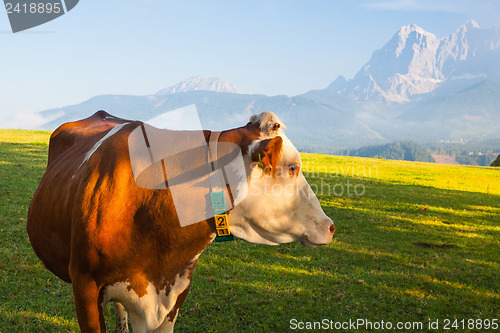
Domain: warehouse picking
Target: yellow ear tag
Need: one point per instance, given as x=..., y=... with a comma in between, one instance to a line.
x=221, y=225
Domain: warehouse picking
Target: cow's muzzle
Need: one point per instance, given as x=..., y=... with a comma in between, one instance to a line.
x=323, y=237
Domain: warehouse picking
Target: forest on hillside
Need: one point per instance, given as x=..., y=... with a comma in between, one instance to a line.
x=399, y=150
x=475, y=153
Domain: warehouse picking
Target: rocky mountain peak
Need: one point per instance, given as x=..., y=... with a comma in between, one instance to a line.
x=201, y=83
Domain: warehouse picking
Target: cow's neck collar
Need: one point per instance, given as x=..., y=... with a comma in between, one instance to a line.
x=217, y=194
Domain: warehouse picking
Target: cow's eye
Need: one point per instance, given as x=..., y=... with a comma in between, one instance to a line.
x=294, y=169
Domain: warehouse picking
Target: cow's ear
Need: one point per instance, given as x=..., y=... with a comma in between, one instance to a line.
x=267, y=154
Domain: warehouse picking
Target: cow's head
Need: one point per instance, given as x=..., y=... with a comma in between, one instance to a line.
x=280, y=206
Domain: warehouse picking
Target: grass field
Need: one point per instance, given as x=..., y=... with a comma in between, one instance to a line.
x=415, y=243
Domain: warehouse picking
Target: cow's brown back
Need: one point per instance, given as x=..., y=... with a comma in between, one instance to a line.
x=51, y=209
x=65, y=136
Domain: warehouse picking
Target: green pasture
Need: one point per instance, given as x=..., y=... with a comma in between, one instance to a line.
x=415, y=243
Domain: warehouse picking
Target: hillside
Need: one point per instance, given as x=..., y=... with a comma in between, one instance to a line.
x=415, y=242
x=473, y=153
x=468, y=153
x=399, y=150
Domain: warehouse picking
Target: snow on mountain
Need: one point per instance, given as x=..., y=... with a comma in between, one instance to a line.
x=201, y=83
x=457, y=46
x=415, y=62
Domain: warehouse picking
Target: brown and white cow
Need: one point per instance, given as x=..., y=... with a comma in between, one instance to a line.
x=114, y=241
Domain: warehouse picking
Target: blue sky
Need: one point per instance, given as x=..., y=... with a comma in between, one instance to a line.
x=267, y=47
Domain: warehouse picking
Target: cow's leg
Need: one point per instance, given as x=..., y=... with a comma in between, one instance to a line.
x=166, y=327
x=121, y=318
x=168, y=324
x=88, y=310
x=138, y=322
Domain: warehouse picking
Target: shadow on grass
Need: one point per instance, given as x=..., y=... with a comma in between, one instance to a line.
x=371, y=270
x=237, y=289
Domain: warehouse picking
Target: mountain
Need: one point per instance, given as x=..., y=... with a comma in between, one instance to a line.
x=201, y=83
x=316, y=121
x=415, y=88
x=414, y=62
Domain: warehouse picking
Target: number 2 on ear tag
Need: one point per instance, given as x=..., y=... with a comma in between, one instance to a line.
x=221, y=225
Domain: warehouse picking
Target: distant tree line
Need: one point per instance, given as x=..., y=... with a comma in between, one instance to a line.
x=473, y=153
x=474, y=158
x=480, y=153
x=399, y=150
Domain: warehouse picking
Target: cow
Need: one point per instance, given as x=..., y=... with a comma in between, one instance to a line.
x=92, y=226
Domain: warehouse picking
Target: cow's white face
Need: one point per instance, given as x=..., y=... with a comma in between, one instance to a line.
x=280, y=206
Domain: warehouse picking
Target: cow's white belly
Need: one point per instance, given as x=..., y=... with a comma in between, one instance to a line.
x=148, y=312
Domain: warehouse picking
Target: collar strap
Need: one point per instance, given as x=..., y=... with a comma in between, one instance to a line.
x=217, y=196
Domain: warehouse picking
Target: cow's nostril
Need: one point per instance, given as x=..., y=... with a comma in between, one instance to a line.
x=332, y=228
